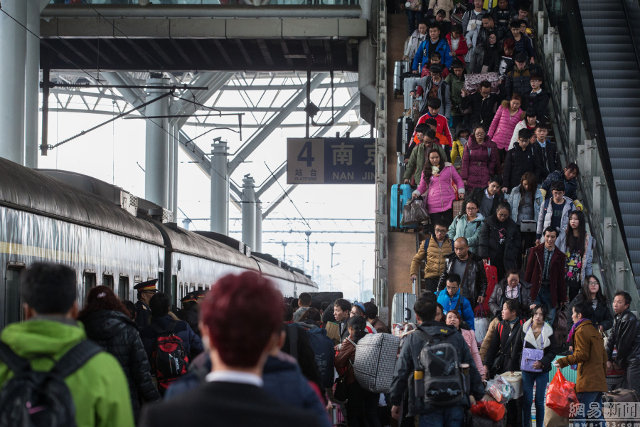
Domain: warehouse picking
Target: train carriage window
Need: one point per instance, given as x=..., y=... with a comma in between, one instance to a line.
x=88, y=281
x=107, y=280
x=123, y=288
x=161, y=287
x=12, y=299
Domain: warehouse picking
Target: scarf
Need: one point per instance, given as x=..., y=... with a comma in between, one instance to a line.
x=573, y=329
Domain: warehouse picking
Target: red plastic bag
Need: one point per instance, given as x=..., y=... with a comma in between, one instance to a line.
x=489, y=409
x=561, y=394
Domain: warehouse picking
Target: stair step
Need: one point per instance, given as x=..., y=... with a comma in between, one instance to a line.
x=616, y=74
x=622, y=49
x=625, y=163
x=626, y=174
x=612, y=83
x=615, y=102
x=605, y=13
x=610, y=122
x=633, y=220
x=606, y=39
x=616, y=28
x=621, y=65
x=625, y=185
x=620, y=111
x=613, y=57
x=619, y=93
x=621, y=150
x=625, y=132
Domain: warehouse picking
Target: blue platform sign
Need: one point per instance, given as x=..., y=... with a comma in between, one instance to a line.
x=331, y=160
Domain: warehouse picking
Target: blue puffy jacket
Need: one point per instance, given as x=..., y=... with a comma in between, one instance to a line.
x=452, y=303
x=422, y=58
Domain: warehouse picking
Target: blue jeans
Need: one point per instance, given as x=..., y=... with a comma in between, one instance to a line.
x=528, y=379
x=445, y=417
x=592, y=402
x=544, y=297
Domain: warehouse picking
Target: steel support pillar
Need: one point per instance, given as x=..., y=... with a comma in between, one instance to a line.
x=219, y=188
x=249, y=211
x=156, y=183
x=13, y=46
x=173, y=169
x=258, y=226
x=32, y=90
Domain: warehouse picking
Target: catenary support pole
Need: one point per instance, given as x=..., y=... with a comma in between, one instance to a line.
x=219, y=188
x=32, y=90
x=13, y=46
x=249, y=211
x=258, y=226
x=156, y=183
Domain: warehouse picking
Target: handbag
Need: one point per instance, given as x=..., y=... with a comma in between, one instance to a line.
x=414, y=212
x=340, y=392
x=531, y=355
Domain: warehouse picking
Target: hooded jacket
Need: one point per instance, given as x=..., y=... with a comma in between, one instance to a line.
x=515, y=197
x=545, y=341
x=491, y=238
x=461, y=227
x=408, y=360
x=117, y=334
x=440, y=191
x=590, y=356
x=570, y=187
x=99, y=388
x=479, y=162
x=625, y=335
x=458, y=303
x=502, y=126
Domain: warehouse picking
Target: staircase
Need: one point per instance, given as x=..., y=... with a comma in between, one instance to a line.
x=617, y=81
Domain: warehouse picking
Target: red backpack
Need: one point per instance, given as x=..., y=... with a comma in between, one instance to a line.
x=169, y=360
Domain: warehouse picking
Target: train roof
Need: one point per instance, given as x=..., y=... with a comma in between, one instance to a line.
x=29, y=190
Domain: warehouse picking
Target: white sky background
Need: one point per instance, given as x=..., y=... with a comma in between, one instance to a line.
x=115, y=153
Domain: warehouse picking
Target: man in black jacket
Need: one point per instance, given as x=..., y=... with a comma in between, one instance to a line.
x=625, y=338
x=470, y=268
x=545, y=153
x=519, y=159
x=242, y=318
x=409, y=361
x=489, y=197
x=480, y=107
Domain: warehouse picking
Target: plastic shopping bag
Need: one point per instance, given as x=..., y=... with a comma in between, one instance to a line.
x=561, y=394
x=500, y=389
x=488, y=409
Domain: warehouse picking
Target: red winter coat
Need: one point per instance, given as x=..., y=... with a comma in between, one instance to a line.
x=462, y=49
x=479, y=162
x=557, y=273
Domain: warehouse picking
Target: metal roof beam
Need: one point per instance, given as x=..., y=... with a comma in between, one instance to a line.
x=273, y=124
x=214, y=81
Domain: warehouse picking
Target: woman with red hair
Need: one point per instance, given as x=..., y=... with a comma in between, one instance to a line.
x=107, y=322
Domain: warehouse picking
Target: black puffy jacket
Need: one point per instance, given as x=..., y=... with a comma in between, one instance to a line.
x=190, y=315
x=625, y=336
x=118, y=335
x=490, y=237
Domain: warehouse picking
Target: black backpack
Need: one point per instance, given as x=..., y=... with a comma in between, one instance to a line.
x=443, y=378
x=33, y=398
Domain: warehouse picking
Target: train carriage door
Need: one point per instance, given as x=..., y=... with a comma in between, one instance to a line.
x=123, y=288
x=174, y=290
x=88, y=281
x=107, y=280
x=12, y=300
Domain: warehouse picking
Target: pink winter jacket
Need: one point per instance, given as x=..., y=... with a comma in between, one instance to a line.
x=470, y=338
x=501, y=129
x=441, y=194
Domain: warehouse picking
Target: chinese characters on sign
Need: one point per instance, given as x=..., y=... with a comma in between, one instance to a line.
x=330, y=160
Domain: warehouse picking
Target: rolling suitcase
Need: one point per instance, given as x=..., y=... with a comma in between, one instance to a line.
x=400, y=68
x=402, y=308
x=404, y=132
x=400, y=195
x=491, y=271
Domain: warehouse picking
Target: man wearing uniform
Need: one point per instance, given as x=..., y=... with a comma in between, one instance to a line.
x=189, y=312
x=145, y=291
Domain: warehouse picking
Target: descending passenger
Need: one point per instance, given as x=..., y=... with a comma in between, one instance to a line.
x=146, y=290
x=507, y=117
x=488, y=198
x=304, y=302
x=189, y=311
x=454, y=318
x=242, y=321
x=177, y=334
x=107, y=324
x=545, y=152
x=579, y=251
x=529, y=122
x=625, y=338
x=567, y=177
x=451, y=298
x=469, y=268
x=591, y=293
x=480, y=107
x=432, y=251
x=519, y=160
x=526, y=200
x=98, y=387
x=362, y=405
x=467, y=225
x=480, y=160
x=500, y=240
x=444, y=414
x=555, y=213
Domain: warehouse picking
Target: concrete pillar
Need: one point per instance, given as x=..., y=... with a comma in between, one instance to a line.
x=219, y=188
x=32, y=87
x=249, y=211
x=258, y=226
x=156, y=182
x=176, y=164
x=13, y=46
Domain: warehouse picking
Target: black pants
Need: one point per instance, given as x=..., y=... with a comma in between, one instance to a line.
x=431, y=283
x=574, y=287
x=362, y=407
x=445, y=216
